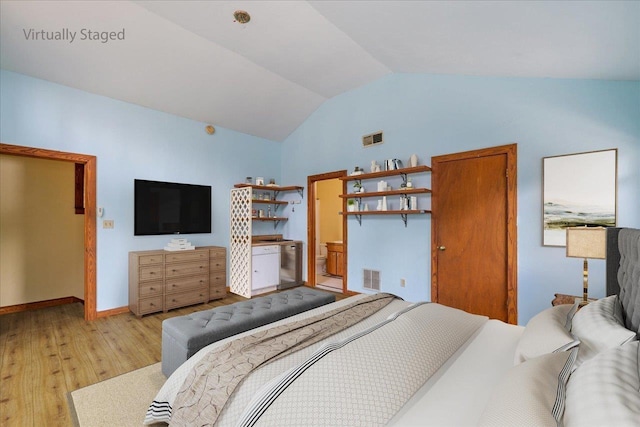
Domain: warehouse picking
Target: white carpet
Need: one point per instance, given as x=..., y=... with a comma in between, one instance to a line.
x=120, y=401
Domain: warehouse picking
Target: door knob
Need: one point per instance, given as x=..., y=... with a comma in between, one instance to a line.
x=441, y=248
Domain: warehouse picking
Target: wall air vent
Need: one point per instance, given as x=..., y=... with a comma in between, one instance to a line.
x=372, y=139
x=371, y=279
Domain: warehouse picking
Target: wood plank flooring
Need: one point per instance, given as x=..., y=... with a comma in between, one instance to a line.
x=47, y=353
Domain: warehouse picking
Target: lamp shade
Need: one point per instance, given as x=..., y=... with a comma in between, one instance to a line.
x=587, y=242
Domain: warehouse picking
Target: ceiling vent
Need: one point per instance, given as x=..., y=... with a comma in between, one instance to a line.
x=372, y=139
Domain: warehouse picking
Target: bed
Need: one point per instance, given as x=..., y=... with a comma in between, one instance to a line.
x=377, y=360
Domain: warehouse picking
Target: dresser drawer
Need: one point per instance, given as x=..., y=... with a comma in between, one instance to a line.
x=150, y=259
x=218, y=264
x=150, y=305
x=187, y=298
x=182, y=256
x=218, y=252
x=187, y=268
x=217, y=292
x=218, y=278
x=187, y=284
x=150, y=289
x=151, y=272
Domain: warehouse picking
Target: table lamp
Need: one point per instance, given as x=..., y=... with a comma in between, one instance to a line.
x=586, y=242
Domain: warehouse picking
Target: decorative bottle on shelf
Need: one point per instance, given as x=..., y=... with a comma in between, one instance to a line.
x=269, y=211
x=409, y=183
x=384, y=203
x=379, y=208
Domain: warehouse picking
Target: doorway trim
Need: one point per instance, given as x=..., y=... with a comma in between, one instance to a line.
x=510, y=151
x=90, y=165
x=311, y=228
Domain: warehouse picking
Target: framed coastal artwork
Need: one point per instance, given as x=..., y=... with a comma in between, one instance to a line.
x=578, y=190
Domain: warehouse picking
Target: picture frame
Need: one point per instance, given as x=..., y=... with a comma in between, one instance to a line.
x=578, y=190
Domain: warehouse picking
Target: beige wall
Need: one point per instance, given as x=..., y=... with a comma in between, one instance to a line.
x=41, y=237
x=327, y=192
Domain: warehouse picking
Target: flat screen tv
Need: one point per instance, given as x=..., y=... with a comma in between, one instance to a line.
x=171, y=208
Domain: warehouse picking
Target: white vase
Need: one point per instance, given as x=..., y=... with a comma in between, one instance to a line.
x=384, y=203
x=413, y=160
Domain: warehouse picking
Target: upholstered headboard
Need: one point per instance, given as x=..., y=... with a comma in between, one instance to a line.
x=623, y=272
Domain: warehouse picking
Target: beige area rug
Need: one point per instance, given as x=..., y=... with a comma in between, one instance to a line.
x=121, y=401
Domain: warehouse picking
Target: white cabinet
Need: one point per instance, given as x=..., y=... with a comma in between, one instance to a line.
x=265, y=267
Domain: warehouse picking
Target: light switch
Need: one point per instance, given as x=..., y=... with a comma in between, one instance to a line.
x=107, y=223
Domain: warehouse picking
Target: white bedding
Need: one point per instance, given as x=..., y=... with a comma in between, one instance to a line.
x=455, y=395
x=264, y=374
x=458, y=393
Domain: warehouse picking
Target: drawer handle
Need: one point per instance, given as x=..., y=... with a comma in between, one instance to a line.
x=152, y=272
x=152, y=289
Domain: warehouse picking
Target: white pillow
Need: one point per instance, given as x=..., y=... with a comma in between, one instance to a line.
x=531, y=393
x=605, y=390
x=599, y=326
x=546, y=332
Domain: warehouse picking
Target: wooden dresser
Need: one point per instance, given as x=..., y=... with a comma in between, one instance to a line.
x=163, y=280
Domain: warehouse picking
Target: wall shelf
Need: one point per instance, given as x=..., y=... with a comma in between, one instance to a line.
x=275, y=188
x=395, y=172
x=403, y=191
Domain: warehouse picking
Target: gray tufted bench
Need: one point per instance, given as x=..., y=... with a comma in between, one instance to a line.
x=183, y=336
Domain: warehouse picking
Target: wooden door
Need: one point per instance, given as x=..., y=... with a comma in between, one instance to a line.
x=474, y=232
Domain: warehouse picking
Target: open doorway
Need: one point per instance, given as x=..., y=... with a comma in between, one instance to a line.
x=327, y=244
x=89, y=163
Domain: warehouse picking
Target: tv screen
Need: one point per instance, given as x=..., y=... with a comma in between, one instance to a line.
x=171, y=208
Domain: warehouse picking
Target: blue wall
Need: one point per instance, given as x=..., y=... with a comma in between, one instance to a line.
x=424, y=114
x=432, y=115
x=131, y=142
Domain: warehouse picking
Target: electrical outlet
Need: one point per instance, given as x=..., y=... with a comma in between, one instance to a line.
x=402, y=283
x=107, y=223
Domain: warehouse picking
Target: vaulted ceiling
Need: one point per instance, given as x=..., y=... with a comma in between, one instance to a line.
x=265, y=77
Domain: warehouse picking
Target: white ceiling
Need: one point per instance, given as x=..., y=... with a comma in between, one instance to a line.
x=264, y=78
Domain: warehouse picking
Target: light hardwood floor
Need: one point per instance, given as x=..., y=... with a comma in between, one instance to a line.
x=47, y=353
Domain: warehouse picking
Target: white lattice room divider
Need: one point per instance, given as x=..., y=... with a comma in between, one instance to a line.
x=240, y=244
